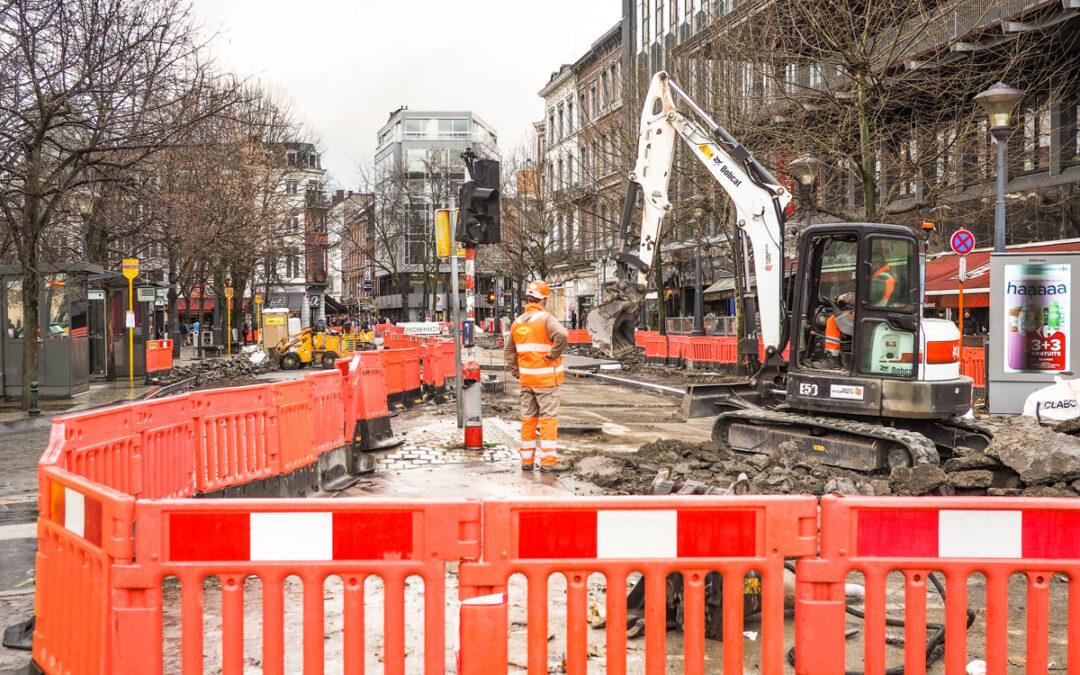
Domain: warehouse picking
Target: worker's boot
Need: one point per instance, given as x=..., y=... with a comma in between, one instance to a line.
x=528, y=466
x=830, y=362
x=557, y=467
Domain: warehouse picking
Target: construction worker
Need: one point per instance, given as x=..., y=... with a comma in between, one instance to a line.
x=534, y=356
x=842, y=321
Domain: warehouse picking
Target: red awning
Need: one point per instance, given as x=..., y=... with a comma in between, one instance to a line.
x=942, y=286
x=182, y=305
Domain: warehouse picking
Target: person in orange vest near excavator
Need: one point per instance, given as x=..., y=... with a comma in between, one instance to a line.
x=842, y=321
x=534, y=355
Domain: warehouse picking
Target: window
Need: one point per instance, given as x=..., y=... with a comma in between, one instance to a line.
x=890, y=286
x=817, y=76
x=583, y=108
x=644, y=34
x=658, y=29
x=551, y=129
x=454, y=128
x=415, y=128
x=592, y=99
x=616, y=83
x=15, y=309
x=791, y=77
x=584, y=162
x=570, y=122
x=291, y=186
x=603, y=90
x=562, y=125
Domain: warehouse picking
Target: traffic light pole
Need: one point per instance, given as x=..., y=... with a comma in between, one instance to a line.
x=456, y=313
x=471, y=389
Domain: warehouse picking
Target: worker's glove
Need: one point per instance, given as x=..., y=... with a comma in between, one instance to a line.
x=516, y=374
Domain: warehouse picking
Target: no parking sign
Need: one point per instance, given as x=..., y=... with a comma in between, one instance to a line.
x=962, y=242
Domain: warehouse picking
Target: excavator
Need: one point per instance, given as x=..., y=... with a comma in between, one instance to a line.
x=868, y=383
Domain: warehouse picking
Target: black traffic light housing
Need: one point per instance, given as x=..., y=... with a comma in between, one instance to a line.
x=478, y=202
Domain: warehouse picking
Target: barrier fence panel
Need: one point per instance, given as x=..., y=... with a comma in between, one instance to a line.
x=617, y=536
x=234, y=539
x=82, y=529
x=952, y=538
x=326, y=391
x=295, y=424
x=166, y=457
x=101, y=446
x=236, y=438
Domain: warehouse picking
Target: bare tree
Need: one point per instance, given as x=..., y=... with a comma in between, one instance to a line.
x=90, y=88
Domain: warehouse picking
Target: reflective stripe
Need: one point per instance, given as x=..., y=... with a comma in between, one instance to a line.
x=532, y=347
x=549, y=444
x=541, y=371
x=528, y=444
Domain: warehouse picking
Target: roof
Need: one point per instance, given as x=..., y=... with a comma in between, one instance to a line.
x=942, y=271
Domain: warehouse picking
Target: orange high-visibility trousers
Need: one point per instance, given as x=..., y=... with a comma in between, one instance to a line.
x=539, y=413
x=833, y=336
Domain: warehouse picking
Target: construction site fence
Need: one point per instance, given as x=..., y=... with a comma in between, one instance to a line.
x=113, y=569
x=718, y=351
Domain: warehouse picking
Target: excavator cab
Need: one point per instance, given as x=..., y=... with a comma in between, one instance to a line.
x=859, y=344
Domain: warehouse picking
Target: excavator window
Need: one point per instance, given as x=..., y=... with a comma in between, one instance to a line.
x=886, y=326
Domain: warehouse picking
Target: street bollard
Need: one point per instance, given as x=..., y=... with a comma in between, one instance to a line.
x=33, y=410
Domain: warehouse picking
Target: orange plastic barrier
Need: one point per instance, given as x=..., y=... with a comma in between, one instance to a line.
x=166, y=436
x=159, y=355
x=973, y=364
x=236, y=437
x=953, y=537
x=579, y=336
x=83, y=530
x=394, y=376
x=410, y=376
x=295, y=424
x=232, y=539
x=617, y=536
x=367, y=416
x=325, y=392
x=445, y=350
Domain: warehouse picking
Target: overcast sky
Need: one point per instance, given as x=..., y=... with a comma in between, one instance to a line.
x=345, y=64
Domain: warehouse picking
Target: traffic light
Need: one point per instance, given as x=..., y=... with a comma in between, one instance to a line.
x=478, y=203
x=491, y=298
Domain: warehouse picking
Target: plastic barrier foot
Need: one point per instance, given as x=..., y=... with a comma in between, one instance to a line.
x=29, y=669
x=20, y=635
x=375, y=434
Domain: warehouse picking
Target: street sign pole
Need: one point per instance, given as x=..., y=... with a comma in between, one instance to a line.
x=228, y=320
x=962, y=243
x=130, y=269
x=258, y=316
x=457, y=324
x=962, y=277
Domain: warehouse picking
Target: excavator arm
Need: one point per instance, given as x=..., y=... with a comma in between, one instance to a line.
x=759, y=201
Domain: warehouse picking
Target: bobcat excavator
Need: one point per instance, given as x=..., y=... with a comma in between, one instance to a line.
x=868, y=383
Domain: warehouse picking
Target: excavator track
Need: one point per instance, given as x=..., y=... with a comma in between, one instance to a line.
x=837, y=441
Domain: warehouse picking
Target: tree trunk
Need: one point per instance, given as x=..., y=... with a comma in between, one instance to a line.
x=31, y=287
x=866, y=156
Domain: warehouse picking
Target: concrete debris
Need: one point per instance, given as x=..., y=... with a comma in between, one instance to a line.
x=1038, y=454
x=1023, y=459
x=218, y=372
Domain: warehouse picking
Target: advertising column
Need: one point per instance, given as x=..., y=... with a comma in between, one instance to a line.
x=1032, y=305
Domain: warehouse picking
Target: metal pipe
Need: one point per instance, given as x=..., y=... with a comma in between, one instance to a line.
x=1001, y=135
x=699, y=301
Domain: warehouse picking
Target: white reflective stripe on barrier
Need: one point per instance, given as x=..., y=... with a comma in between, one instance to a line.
x=292, y=536
x=637, y=534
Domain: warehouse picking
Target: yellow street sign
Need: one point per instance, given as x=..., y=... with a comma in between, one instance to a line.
x=258, y=298
x=443, y=245
x=229, y=292
x=130, y=268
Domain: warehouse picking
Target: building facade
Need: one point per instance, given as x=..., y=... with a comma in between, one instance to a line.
x=296, y=274
x=418, y=169
x=582, y=160
x=352, y=238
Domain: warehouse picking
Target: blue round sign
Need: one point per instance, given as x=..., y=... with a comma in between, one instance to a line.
x=962, y=242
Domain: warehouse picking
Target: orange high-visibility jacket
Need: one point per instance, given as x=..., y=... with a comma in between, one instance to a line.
x=533, y=348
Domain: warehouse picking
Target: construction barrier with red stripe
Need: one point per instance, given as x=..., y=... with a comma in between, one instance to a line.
x=955, y=537
x=617, y=537
x=159, y=355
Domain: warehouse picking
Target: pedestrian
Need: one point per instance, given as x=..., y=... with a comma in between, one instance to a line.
x=534, y=357
x=183, y=333
x=573, y=319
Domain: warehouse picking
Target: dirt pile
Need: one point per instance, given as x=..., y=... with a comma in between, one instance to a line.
x=1024, y=458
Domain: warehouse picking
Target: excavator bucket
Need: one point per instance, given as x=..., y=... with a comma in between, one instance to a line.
x=611, y=324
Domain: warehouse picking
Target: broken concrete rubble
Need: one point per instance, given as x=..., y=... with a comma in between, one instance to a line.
x=1023, y=458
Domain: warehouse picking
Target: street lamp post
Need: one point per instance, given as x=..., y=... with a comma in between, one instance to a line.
x=999, y=102
x=699, y=281
x=805, y=170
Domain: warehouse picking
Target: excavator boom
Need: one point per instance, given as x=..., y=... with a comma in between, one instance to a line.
x=759, y=201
